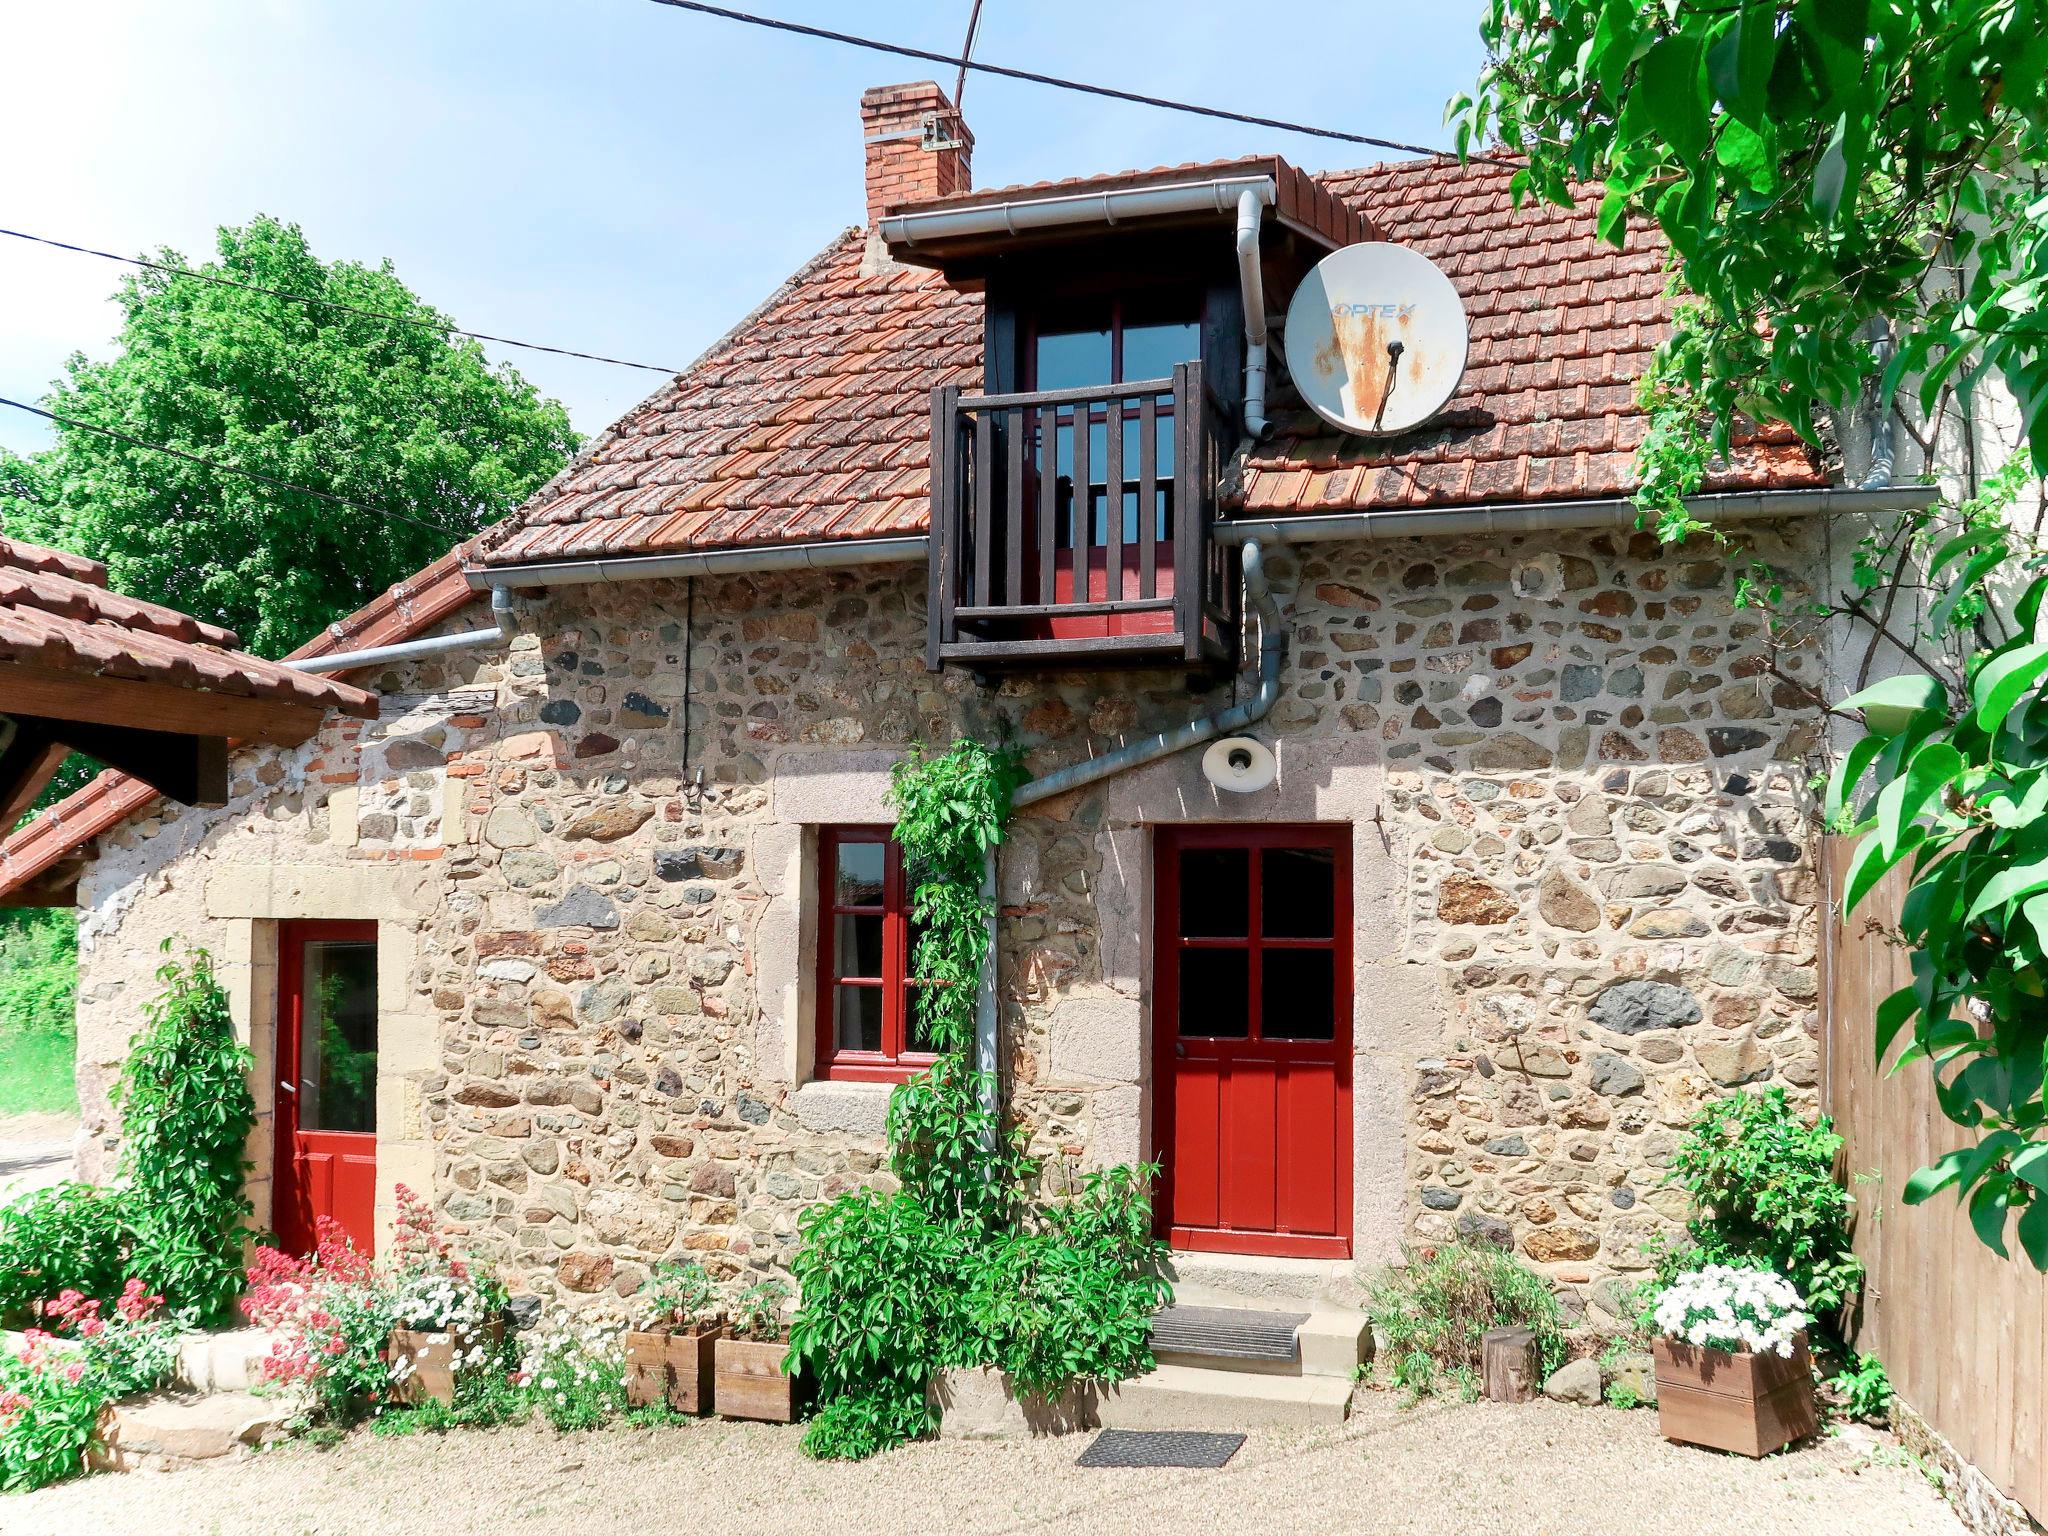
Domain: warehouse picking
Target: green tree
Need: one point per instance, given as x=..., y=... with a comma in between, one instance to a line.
x=381, y=412
x=1852, y=189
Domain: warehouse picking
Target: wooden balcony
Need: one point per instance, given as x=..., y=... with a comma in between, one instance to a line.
x=1073, y=528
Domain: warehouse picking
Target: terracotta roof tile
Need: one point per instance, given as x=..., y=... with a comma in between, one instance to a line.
x=811, y=420
x=57, y=614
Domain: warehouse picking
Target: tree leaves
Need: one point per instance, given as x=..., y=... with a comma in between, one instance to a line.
x=383, y=413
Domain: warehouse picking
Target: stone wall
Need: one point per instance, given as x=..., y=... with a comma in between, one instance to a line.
x=1584, y=893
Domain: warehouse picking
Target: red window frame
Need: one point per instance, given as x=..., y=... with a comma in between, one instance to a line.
x=895, y=1062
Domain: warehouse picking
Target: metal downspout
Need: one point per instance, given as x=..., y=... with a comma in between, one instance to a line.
x=1883, y=452
x=1272, y=644
x=1251, y=279
x=1272, y=647
x=501, y=630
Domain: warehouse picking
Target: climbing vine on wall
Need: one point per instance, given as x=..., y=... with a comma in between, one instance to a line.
x=965, y=1264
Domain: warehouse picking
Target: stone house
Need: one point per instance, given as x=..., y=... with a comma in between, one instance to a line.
x=595, y=933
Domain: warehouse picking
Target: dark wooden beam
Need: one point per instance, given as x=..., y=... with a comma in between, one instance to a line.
x=161, y=707
x=192, y=770
x=29, y=755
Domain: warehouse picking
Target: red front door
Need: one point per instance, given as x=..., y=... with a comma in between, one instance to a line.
x=1252, y=1036
x=326, y=1082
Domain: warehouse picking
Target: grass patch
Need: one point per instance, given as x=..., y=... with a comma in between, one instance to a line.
x=38, y=981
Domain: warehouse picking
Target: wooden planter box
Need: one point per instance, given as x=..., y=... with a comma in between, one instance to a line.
x=1747, y=1403
x=750, y=1384
x=666, y=1366
x=434, y=1356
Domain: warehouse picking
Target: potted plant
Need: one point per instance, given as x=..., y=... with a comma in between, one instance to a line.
x=751, y=1379
x=442, y=1324
x=669, y=1357
x=1732, y=1368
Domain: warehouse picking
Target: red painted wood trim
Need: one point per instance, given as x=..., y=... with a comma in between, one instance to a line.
x=894, y=1063
x=292, y=938
x=1170, y=843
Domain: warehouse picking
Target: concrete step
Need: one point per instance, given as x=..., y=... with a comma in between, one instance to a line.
x=230, y=1360
x=162, y=1430
x=1257, y=1280
x=1192, y=1397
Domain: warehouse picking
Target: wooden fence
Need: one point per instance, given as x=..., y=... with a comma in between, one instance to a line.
x=1963, y=1332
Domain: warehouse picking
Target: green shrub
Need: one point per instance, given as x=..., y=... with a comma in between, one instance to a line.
x=186, y=1114
x=962, y=1267
x=1865, y=1387
x=1434, y=1312
x=1072, y=1298
x=66, y=1237
x=1764, y=1191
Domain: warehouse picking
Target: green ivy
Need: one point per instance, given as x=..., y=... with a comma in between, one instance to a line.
x=961, y=1267
x=186, y=1114
x=1763, y=1190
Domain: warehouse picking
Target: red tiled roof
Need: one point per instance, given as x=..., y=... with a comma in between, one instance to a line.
x=57, y=615
x=1561, y=327
x=416, y=604
x=811, y=419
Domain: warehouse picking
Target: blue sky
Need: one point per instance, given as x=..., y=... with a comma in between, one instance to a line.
x=609, y=175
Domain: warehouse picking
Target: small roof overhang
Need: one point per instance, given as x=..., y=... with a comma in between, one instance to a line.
x=951, y=232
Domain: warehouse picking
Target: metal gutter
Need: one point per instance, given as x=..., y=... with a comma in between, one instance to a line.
x=820, y=555
x=501, y=630
x=1538, y=516
x=1019, y=215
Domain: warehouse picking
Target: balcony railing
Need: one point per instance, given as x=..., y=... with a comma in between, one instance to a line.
x=1073, y=526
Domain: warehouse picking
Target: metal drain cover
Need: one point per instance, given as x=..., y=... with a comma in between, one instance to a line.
x=1159, y=1448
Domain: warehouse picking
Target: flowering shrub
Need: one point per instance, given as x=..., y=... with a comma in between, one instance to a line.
x=333, y=1312
x=53, y=1390
x=575, y=1369
x=330, y=1317
x=1732, y=1307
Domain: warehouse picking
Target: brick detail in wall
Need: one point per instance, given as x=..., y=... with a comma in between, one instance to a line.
x=899, y=168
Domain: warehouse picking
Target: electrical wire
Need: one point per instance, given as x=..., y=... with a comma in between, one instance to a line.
x=1059, y=82
x=230, y=469
x=299, y=298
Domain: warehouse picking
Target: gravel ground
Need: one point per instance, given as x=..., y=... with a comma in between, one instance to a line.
x=35, y=1150
x=1539, y=1470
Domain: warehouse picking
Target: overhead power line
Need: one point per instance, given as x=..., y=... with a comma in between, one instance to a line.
x=353, y=309
x=230, y=469
x=1058, y=82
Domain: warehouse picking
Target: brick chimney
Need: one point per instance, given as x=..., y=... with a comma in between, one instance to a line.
x=917, y=145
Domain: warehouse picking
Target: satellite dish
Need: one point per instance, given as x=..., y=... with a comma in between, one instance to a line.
x=1240, y=764
x=1376, y=339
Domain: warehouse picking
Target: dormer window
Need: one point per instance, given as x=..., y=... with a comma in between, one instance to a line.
x=1073, y=497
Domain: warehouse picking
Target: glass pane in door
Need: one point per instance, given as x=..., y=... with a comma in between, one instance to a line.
x=338, y=1037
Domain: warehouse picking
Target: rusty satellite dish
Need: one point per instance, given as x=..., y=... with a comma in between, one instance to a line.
x=1376, y=339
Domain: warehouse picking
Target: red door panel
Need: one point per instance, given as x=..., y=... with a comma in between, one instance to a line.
x=1252, y=1029
x=326, y=1092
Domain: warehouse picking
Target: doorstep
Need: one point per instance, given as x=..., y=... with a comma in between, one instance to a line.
x=162, y=1430
x=1191, y=1397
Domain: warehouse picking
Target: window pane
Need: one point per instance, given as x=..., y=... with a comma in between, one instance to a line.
x=917, y=1037
x=1297, y=995
x=863, y=870
x=1297, y=893
x=1073, y=359
x=858, y=1012
x=338, y=1038
x=1215, y=993
x=1215, y=893
x=1150, y=351
x=857, y=945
